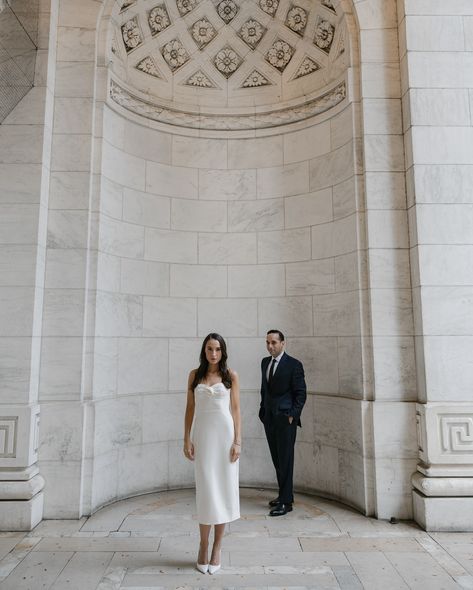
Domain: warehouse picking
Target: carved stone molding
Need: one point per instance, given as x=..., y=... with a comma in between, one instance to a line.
x=228, y=122
x=445, y=438
x=19, y=436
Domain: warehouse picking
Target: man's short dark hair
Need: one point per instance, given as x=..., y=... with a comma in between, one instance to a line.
x=278, y=332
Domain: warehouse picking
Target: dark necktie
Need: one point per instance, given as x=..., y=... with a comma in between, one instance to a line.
x=271, y=370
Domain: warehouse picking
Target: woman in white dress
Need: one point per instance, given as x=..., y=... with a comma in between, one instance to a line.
x=212, y=439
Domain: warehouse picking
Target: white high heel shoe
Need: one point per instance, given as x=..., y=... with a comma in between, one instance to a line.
x=214, y=568
x=202, y=567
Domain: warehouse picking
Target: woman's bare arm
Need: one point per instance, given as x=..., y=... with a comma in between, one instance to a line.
x=235, y=409
x=189, y=417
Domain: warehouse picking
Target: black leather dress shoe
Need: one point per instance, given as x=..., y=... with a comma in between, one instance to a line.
x=274, y=503
x=281, y=510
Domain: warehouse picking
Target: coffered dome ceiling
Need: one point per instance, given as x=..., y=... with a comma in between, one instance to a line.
x=228, y=64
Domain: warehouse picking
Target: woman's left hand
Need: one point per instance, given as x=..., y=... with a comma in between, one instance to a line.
x=235, y=453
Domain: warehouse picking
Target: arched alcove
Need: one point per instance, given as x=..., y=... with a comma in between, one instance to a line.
x=227, y=198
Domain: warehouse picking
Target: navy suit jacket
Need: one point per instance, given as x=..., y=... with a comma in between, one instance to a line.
x=287, y=393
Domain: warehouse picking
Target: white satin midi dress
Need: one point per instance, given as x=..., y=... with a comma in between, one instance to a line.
x=216, y=477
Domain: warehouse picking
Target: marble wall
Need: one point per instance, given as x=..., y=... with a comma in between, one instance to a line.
x=229, y=235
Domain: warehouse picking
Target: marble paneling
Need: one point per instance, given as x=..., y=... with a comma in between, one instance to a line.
x=339, y=424
x=171, y=181
x=180, y=473
x=345, y=197
x=145, y=209
x=142, y=468
x=69, y=16
x=310, y=278
x=352, y=478
x=381, y=80
x=227, y=248
x=117, y=423
x=387, y=229
x=292, y=315
x=391, y=312
x=244, y=356
x=310, y=209
x=307, y=143
x=337, y=314
x=439, y=106
x=385, y=190
x=334, y=239
x=442, y=145
x=394, y=430
x=434, y=33
x=347, y=272
x=19, y=224
x=257, y=280
x=442, y=69
x=105, y=367
x=204, y=216
x=382, y=116
x=142, y=365
x=196, y=152
x=167, y=316
x=283, y=181
x=74, y=79
x=384, y=153
x=255, y=153
x=61, y=431
x=446, y=264
x=443, y=183
x=104, y=479
x=142, y=277
x=61, y=368
x=163, y=417
x=183, y=357
x=68, y=190
x=320, y=359
x=20, y=144
x=124, y=168
x=111, y=198
x=65, y=268
x=332, y=168
x=444, y=224
x=171, y=246
x=120, y=238
x=229, y=317
x=394, y=487
x=18, y=265
x=20, y=183
x=227, y=185
x=394, y=368
x=70, y=152
x=63, y=484
x=73, y=115
x=119, y=314
x=350, y=365
x=256, y=216
x=447, y=311
x=146, y=143
x=389, y=268
x=198, y=280
x=15, y=368
x=284, y=246
x=63, y=312
x=109, y=272
x=67, y=229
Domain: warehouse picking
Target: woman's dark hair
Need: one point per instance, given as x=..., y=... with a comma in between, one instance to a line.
x=201, y=371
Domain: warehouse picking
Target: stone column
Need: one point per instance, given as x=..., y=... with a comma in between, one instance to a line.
x=25, y=138
x=437, y=66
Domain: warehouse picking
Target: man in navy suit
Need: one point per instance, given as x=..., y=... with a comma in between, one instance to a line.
x=283, y=395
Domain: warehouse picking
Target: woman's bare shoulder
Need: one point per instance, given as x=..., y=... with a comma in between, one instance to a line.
x=233, y=373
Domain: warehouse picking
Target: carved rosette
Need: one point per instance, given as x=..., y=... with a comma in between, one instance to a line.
x=296, y=20
x=227, y=61
x=131, y=34
x=252, y=32
x=158, y=19
x=148, y=66
x=255, y=80
x=307, y=66
x=175, y=54
x=279, y=55
x=329, y=4
x=227, y=10
x=324, y=32
x=269, y=6
x=203, y=32
x=185, y=6
x=200, y=80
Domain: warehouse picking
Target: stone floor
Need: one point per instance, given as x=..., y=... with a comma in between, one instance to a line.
x=150, y=542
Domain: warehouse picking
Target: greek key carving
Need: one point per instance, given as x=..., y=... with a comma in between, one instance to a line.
x=456, y=433
x=8, y=436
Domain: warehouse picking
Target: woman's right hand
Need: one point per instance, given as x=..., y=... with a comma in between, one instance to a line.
x=189, y=450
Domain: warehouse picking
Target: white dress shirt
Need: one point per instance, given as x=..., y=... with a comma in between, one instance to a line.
x=276, y=365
